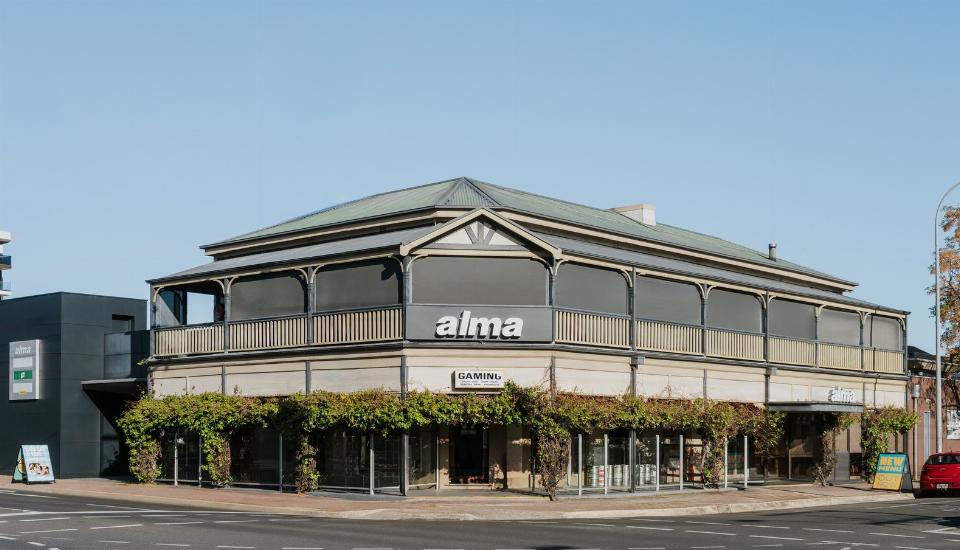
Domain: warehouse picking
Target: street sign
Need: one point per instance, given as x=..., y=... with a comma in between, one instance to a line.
x=893, y=473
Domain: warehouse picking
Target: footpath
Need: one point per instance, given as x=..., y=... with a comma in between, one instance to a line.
x=467, y=505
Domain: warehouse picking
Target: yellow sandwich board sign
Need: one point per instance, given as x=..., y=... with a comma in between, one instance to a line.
x=893, y=473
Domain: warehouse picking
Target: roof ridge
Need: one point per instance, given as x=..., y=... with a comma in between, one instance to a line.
x=474, y=185
x=335, y=207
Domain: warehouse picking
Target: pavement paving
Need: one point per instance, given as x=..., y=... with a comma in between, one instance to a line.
x=32, y=519
x=469, y=505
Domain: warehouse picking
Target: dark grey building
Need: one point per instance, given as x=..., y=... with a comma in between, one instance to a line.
x=89, y=350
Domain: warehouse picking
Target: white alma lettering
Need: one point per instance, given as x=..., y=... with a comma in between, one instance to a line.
x=466, y=326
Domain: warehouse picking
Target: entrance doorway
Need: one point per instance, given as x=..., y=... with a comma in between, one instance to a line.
x=469, y=455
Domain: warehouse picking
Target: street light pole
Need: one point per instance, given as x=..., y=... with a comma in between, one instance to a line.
x=936, y=338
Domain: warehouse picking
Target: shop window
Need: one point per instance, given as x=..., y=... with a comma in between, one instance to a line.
x=669, y=301
x=361, y=284
x=792, y=319
x=882, y=332
x=592, y=289
x=731, y=310
x=267, y=296
x=840, y=327
x=466, y=280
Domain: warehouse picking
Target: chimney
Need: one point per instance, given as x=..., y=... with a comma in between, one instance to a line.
x=643, y=213
x=772, y=251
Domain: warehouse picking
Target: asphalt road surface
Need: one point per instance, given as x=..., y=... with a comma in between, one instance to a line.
x=31, y=521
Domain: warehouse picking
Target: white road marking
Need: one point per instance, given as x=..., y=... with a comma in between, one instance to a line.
x=172, y=544
x=118, y=507
x=290, y=519
x=893, y=535
x=765, y=545
x=848, y=543
x=649, y=528
x=36, y=543
x=4, y=537
x=114, y=541
x=766, y=526
x=708, y=547
x=706, y=523
x=306, y=548
x=712, y=533
x=43, y=519
x=227, y=546
x=774, y=538
x=162, y=515
x=942, y=530
x=118, y=526
x=541, y=522
x=826, y=530
x=45, y=531
x=911, y=548
x=596, y=524
x=657, y=520
x=104, y=517
x=236, y=521
x=178, y=523
x=646, y=548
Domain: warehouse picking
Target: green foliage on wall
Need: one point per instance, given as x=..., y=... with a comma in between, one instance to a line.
x=553, y=416
x=877, y=426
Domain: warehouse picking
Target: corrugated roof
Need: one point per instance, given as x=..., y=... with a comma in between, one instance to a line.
x=377, y=241
x=471, y=193
x=680, y=267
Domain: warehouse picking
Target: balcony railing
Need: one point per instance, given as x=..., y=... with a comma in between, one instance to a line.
x=385, y=324
x=342, y=327
x=189, y=339
x=592, y=329
x=257, y=334
x=727, y=344
x=670, y=337
x=793, y=351
x=731, y=344
x=838, y=356
x=356, y=327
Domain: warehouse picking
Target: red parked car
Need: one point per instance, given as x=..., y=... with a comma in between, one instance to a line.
x=940, y=473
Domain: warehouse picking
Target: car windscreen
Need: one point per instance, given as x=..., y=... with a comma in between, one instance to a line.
x=944, y=459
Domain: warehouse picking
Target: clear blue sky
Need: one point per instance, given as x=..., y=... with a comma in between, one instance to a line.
x=131, y=132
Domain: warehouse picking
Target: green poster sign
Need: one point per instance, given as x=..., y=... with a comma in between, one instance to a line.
x=23, y=375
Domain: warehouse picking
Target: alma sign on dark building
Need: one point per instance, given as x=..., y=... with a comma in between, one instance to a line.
x=24, y=370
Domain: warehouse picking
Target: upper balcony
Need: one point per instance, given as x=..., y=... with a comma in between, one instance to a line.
x=446, y=298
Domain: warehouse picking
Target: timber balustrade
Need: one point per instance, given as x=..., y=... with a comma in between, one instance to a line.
x=592, y=329
x=385, y=324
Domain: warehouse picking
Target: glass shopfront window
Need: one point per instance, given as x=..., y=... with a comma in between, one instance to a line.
x=669, y=301
x=479, y=281
x=592, y=289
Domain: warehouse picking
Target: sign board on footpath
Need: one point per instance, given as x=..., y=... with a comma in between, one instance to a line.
x=893, y=473
x=33, y=465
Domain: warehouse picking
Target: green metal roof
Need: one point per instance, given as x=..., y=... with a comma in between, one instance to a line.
x=471, y=193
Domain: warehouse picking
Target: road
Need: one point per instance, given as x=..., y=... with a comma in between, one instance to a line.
x=30, y=521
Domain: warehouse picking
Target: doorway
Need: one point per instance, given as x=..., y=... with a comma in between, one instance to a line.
x=469, y=455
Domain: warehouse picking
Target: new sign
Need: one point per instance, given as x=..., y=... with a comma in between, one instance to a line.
x=24, y=370
x=477, y=380
x=479, y=323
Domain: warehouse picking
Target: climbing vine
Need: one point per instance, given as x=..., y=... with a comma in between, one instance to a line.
x=552, y=416
x=829, y=425
x=877, y=426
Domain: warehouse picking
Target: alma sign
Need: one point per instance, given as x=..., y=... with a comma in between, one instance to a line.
x=842, y=395
x=25, y=370
x=479, y=323
x=467, y=326
x=477, y=380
